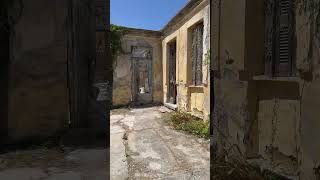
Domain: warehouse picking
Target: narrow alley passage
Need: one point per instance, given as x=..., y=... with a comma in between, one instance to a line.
x=144, y=147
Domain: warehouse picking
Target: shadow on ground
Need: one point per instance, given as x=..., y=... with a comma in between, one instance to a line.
x=77, y=155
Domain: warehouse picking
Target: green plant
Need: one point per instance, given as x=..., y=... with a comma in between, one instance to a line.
x=188, y=123
x=115, y=40
x=207, y=57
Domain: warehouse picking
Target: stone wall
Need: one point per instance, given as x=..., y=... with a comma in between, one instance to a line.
x=123, y=68
x=38, y=96
x=308, y=65
x=53, y=65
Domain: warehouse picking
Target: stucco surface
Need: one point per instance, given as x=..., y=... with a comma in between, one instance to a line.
x=38, y=97
x=189, y=98
x=273, y=117
x=123, y=67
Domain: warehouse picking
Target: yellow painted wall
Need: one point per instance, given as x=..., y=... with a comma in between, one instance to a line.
x=281, y=113
x=191, y=99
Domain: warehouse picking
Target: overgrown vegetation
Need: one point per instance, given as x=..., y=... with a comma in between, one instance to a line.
x=231, y=163
x=115, y=40
x=235, y=167
x=188, y=123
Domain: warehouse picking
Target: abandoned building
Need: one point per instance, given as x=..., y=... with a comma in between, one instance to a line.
x=265, y=68
x=54, y=68
x=170, y=66
x=138, y=69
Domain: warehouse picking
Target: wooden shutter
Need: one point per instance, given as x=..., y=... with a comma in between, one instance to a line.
x=283, y=63
x=197, y=53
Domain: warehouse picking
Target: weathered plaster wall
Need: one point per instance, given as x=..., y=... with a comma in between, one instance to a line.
x=228, y=55
x=38, y=97
x=122, y=81
x=273, y=118
x=192, y=99
x=308, y=65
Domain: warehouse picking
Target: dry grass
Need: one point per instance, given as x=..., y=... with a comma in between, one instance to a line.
x=235, y=167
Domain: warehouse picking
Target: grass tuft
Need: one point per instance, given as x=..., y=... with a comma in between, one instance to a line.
x=188, y=123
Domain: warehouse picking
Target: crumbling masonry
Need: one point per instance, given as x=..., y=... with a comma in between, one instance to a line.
x=266, y=83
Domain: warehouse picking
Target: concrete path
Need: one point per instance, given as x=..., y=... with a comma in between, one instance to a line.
x=41, y=164
x=143, y=147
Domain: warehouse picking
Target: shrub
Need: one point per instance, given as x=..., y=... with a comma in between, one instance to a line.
x=188, y=123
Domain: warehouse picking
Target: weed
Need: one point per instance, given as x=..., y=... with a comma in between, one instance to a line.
x=188, y=123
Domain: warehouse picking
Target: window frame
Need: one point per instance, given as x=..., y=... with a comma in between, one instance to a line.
x=192, y=80
x=274, y=40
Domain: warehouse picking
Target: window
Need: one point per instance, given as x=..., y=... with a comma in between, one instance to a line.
x=279, y=38
x=197, y=54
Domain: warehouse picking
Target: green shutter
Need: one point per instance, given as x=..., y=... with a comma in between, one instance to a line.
x=197, y=54
x=283, y=65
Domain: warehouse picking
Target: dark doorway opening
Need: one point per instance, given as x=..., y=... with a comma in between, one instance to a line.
x=4, y=73
x=172, y=94
x=142, y=75
x=81, y=52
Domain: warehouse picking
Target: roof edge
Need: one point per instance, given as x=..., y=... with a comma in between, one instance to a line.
x=179, y=15
x=137, y=31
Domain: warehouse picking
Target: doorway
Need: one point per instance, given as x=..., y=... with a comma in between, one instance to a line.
x=81, y=44
x=172, y=93
x=142, y=75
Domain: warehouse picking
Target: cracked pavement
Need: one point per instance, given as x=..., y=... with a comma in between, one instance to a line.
x=144, y=147
x=52, y=164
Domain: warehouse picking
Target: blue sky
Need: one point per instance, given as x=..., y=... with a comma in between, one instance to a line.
x=145, y=14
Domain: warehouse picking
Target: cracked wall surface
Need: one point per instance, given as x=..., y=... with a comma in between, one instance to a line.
x=123, y=66
x=194, y=99
x=38, y=97
x=50, y=61
x=273, y=118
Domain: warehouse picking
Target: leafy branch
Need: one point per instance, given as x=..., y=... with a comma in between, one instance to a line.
x=115, y=40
